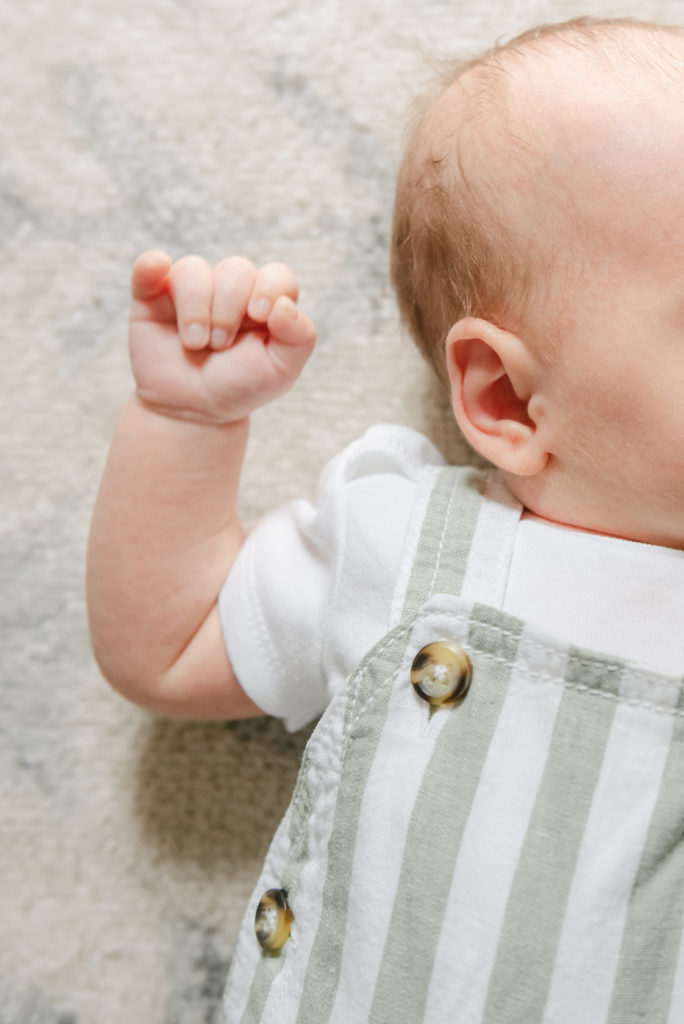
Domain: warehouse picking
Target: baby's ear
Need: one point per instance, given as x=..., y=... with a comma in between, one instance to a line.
x=493, y=380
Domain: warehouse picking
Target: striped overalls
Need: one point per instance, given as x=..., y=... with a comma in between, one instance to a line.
x=516, y=858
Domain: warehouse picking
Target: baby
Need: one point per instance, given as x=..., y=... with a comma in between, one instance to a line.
x=489, y=821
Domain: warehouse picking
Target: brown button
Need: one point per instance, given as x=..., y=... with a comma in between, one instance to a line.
x=272, y=921
x=441, y=673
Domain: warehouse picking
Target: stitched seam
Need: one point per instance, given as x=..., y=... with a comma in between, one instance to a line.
x=441, y=540
x=361, y=672
x=503, y=563
x=647, y=677
x=488, y=554
x=425, y=485
x=355, y=717
x=582, y=687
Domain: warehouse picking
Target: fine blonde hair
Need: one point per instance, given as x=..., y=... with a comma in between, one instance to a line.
x=454, y=252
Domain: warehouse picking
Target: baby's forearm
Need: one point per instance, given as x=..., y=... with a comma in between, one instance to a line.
x=164, y=535
x=208, y=346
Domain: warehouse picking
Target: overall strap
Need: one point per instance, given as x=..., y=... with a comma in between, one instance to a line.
x=465, y=533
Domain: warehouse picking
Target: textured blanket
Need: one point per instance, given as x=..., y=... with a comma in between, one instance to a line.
x=128, y=844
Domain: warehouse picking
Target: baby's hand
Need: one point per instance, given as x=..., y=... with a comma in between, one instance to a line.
x=213, y=344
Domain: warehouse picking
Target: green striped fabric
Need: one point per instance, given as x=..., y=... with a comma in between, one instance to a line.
x=320, y=982
x=300, y=811
x=440, y=565
x=519, y=858
x=655, y=916
x=455, y=497
x=441, y=811
x=537, y=901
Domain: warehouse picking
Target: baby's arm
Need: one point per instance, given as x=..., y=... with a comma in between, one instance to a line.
x=207, y=346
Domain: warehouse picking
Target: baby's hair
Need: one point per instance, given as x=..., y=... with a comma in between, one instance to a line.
x=454, y=252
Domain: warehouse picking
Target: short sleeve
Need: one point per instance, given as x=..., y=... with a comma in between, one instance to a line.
x=312, y=587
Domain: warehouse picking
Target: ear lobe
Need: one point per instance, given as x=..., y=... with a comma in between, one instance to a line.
x=492, y=382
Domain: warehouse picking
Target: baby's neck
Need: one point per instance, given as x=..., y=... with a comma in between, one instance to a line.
x=579, y=509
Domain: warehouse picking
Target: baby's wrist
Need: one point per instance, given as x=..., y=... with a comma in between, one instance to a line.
x=187, y=416
x=194, y=429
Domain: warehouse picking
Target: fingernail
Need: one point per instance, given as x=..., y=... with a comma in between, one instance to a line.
x=260, y=309
x=219, y=337
x=195, y=334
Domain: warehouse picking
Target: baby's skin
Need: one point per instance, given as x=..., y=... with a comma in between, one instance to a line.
x=208, y=346
x=589, y=431
x=592, y=169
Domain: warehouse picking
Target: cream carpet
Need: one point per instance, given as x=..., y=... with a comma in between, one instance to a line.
x=128, y=845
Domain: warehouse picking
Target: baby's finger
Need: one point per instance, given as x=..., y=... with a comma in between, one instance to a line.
x=233, y=282
x=293, y=335
x=273, y=280
x=191, y=284
x=149, y=274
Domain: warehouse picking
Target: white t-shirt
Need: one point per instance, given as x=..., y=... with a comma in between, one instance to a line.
x=315, y=586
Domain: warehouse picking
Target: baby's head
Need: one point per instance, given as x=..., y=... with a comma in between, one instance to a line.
x=538, y=259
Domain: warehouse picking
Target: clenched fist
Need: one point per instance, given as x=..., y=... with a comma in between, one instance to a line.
x=212, y=344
